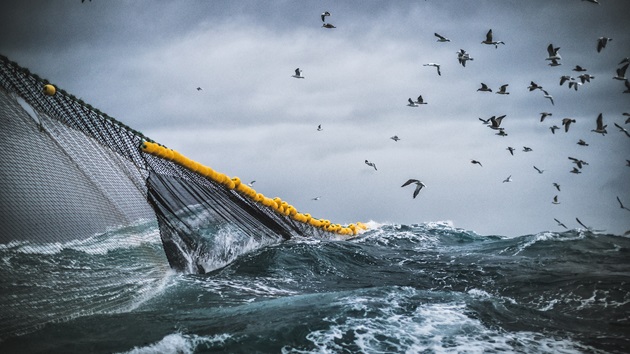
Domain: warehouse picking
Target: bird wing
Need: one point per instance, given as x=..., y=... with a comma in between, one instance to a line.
x=410, y=181
x=439, y=36
x=579, y=222
x=489, y=36
x=420, y=100
x=410, y=100
x=418, y=188
x=622, y=70
x=600, y=123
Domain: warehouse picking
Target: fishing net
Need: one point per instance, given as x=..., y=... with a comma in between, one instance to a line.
x=71, y=173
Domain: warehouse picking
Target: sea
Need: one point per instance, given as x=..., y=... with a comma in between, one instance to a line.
x=421, y=288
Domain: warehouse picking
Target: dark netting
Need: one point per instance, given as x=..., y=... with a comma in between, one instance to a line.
x=72, y=179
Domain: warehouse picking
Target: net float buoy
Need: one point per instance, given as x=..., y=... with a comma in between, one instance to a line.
x=49, y=90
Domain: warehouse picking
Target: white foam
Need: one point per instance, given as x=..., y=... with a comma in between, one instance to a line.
x=179, y=343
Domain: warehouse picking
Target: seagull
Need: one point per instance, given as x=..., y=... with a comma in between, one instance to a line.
x=527, y=149
x=561, y=224
x=420, y=100
x=319, y=128
x=371, y=164
x=501, y=132
x=487, y=121
x=547, y=95
x=621, y=73
x=627, y=115
x=578, y=162
x=324, y=14
x=601, y=128
x=584, y=226
x=509, y=179
x=441, y=38
x=574, y=85
x=557, y=186
x=511, y=150
x=575, y=170
x=565, y=78
x=412, y=103
x=553, y=53
x=544, y=115
x=419, y=186
x=328, y=25
x=490, y=41
x=622, y=129
x=496, y=122
x=539, y=170
x=621, y=204
x=251, y=183
x=567, y=122
x=586, y=78
x=554, y=62
x=395, y=138
x=199, y=89
x=502, y=90
x=582, y=142
x=554, y=128
x=555, y=200
x=476, y=162
x=601, y=43
x=298, y=74
x=462, y=57
x=436, y=65
x=533, y=86
x=484, y=88
x=624, y=60
x=579, y=68
x=316, y=198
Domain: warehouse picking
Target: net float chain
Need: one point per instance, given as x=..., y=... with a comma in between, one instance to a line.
x=276, y=204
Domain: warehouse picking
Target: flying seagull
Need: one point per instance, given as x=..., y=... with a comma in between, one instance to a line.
x=395, y=138
x=557, y=186
x=316, y=198
x=575, y=170
x=622, y=129
x=533, y=86
x=495, y=122
x=601, y=128
x=251, y=183
x=411, y=103
x=574, y=85
x=476, y=162
x=441, y=38
x=578, y=162
x=324, y=14
x=199, y=89
x=554, y=62
x=419, y=186
x=544, y=115
x=555, y=200
x=511, y=150
x=584, y=226
x=601, y=43
x=319, y=128
x=527, y=149
x=298, y=74
x=462, y=57
x=554, y=128
x=489, y=40
x=579, y=68
x=560, y=224
x=328, y=25
x=484, y=88
x=565, y=78
x=503, y=90
x=586, y=78
x=621, y=204
x=567, y=122
x=547, y=95
x=436, y=65
x=371, y=164
x=420, y=100
x=509, y=179
x=582, y=143
x=621, y=73
x=539, y=170
x=553, y=53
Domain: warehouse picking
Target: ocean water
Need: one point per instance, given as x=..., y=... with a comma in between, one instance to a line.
x=425, y=288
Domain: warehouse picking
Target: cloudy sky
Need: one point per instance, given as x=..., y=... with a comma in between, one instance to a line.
x=141, y=62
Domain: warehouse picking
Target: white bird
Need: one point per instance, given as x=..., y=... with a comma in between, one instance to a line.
x=251, y=183
x=298, y=74
x=324, y=14
x=601, y=128
x=553, y=53
x=601, y=43
x=436, y=65
x=509, y=179
x=419, y=186
x=547, y=95
x=441, y=38
x=503, y=90
x=484, y=88
x=621, y=73
x=395, y=138
x=489, y=40
x=371, y=164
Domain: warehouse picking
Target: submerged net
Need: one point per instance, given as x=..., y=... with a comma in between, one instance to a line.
x=70, y=173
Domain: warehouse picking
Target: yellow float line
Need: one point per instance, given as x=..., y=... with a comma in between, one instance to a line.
x=276, y=204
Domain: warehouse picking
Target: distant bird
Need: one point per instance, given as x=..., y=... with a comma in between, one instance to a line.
x=501, y=132
x=489, y=40
x=298, y=74
x=419, y=186
x=441, y=38
x=527, y=149
x=555, y=200
x=627, y=83
x=601, y=43
x=565, y=78
x=575, y=170
x=475, y=162
x=627, y=162
x=199, y=89
x=584, y=226
x=436, y=65
x=622, y=129
x=503, y=90
x=621, y=204
x=596, y=2
x=412, y=103
x=554, y=62
x=574, y=85
x=487, y=121
x=561, y=224
x=544, y=115
x=395, y=138
x=328, y=25
x=547, y=95
x=251, y=183
x=484, y=88
x=508, y=179
x=317, y=198
x=371, y=164
x=624, y=60
x=601, y=128
x=533, y=86
x=627, y=115
x=319, y=128
x=554, y=128
x=579, y=68
x=495, y=122
x=557, y=186
x=539, y=170
x=580, y=163
x=324, y=14
x=584, y=78
x=553, y=53
x=582, y=142
x=567, y=122
x=621, y=73
x=511, y=150
x=463, y=57
x=420, y=100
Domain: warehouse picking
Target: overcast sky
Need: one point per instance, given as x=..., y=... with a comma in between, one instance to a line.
x=141, y=62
